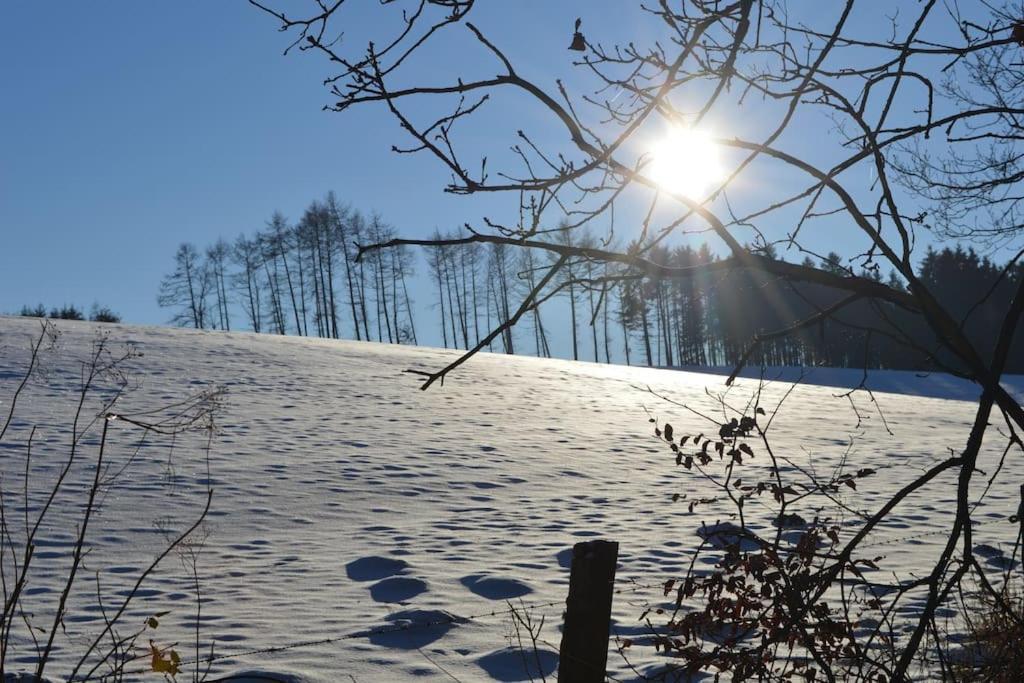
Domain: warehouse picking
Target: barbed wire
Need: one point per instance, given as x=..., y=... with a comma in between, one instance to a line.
x=454, y=619
x=412, y=625
x=937, y=532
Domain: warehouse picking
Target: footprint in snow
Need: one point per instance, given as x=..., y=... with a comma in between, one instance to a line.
x=494, y=588
x=260, y=676
x=374, y=568
x=397, y=589
x=509, y=664
x=415, y=638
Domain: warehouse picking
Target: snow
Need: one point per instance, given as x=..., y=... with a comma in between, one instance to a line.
x=350, y=508
x=905, y=382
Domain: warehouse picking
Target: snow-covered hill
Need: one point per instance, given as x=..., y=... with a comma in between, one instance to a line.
x=345, y=499
x=906, y=382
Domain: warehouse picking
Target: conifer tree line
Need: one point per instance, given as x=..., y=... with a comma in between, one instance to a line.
x=304, y=278
x=97, y=314
x=608, y=315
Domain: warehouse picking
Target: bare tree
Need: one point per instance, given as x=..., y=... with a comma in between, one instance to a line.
x=358, y=230
x=436, y=262
x=346, y=229
x=874, y=111
x=500, y=274
x=528, y=280
x=973, y=176
x=565, y=237
x=187, y=288
x=269, y=248
x=403, y=267
x=280, y=241
x=318, y=238
x=216, y=259
x=380, y=269
x=246, y=256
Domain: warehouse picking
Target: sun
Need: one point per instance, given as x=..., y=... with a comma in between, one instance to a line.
x=686, y=161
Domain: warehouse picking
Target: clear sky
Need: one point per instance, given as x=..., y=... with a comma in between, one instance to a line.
x=128, y=127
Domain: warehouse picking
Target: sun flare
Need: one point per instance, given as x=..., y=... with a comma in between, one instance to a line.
x=686, y=161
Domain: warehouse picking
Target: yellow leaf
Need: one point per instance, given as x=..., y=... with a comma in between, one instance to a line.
x=162, y=664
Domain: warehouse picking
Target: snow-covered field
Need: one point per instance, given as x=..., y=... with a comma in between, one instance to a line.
x=345, y=499
x=906, y=382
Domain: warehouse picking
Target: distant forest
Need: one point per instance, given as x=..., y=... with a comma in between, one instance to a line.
x=303, y=279
x=98, y=313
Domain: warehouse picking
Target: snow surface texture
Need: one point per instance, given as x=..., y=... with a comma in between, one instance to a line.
x=906, y=382
x=345, y=499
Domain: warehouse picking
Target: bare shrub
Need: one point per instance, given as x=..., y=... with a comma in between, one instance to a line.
x=994, y=646
x=55, y=490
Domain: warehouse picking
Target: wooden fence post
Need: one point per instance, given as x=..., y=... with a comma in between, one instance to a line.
x=583, y=655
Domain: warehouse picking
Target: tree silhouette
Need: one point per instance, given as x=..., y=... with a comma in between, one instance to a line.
x=791, y=72
x=187, y=288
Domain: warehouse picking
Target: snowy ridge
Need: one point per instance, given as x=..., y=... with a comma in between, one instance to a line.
x=903, y=382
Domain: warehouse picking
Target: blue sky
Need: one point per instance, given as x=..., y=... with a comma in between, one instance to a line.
x=129, y=127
